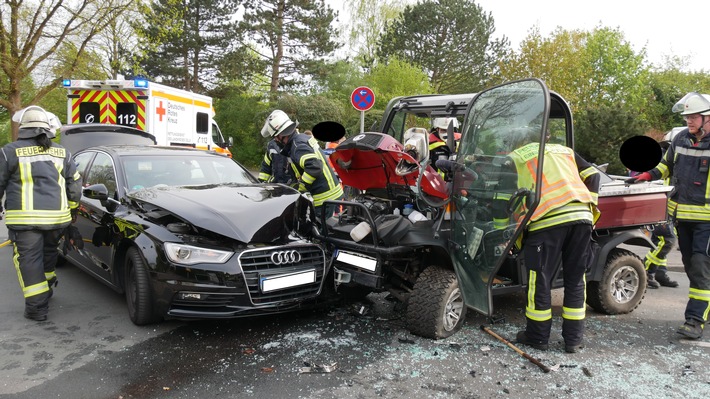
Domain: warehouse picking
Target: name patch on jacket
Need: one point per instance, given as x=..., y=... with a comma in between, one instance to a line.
x=37, y=150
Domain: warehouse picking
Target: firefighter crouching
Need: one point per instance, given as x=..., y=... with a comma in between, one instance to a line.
x=42, y=189
x=310, y=167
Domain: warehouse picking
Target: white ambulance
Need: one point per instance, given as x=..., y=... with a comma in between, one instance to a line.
x=175, y=117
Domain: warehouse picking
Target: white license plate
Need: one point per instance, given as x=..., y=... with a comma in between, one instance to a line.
x=287, y=281
x=357, y=260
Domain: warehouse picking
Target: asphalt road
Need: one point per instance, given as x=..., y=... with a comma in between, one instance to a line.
x=89, y=349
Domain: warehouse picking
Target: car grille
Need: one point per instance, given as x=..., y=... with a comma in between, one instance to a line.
x=258, y=263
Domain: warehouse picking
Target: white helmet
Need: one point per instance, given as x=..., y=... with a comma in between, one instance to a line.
x=34, y=116
x=443, y=123
x=278, y=123
x=693, y=103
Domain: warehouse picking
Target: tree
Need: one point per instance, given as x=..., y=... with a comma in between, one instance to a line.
x=450, y=39
x=396, y=78
x=31, y=34
x=187, y=39
x=368, y=20
x=293, y=36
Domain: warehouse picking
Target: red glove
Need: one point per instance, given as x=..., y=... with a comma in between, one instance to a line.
x=645, y=176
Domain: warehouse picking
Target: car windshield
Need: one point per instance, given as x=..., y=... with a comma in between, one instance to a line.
x=168, y=170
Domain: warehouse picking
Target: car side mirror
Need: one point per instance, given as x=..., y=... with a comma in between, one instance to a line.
x=100, y=192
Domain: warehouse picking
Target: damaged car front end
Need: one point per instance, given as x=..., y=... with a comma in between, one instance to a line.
x=191, y=234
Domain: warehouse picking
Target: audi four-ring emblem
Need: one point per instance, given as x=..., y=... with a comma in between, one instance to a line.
x=285, y=257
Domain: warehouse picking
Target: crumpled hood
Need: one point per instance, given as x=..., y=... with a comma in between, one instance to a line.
x=247, y=213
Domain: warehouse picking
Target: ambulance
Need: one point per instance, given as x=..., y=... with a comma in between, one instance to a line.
x=175, y=117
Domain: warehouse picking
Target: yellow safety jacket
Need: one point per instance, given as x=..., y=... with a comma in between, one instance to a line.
x=565, y=197
x=40, y=186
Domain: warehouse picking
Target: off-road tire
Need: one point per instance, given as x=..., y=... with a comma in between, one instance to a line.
x=435, y=308
x=139, y=294
x=622, y=286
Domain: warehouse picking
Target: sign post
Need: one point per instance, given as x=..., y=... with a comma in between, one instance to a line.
x=362, y=98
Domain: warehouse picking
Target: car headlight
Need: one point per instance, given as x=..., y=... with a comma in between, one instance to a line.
x=189, y=255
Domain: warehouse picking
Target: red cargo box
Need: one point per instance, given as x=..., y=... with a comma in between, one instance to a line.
x=635, y=205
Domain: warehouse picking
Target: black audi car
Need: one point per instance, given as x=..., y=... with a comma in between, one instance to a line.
x=187, y=233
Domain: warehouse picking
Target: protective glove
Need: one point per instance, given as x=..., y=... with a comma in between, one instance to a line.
x=74, y=212
x=72, y=239
x=645, y=176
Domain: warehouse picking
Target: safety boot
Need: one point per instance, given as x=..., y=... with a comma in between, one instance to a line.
x=663, y=279
x=692, y=329
x=574, y=348
x=522, y=338
x=651, y=281
x=36, y=314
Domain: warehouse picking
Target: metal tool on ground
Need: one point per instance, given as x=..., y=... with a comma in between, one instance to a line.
x=515, y=348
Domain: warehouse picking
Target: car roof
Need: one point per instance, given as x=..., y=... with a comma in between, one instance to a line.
x=154, y=150
x=80, y=136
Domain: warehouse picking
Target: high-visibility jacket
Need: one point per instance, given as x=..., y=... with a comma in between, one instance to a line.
x=570, y=185
x=310, y=167
x=686, y=163
x=40, y=186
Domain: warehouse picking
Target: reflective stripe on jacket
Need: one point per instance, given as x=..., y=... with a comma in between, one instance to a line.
x=569, y=185
x=40, y=186
x=686, y=164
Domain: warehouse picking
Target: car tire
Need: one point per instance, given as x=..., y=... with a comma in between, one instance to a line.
x=622, y=286
x=435, y=308
x=139, y=294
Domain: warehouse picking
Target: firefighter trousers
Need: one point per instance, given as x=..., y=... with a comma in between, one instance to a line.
x=35, y=256
x=544, y=252
x=663, y=236
x=694, y=242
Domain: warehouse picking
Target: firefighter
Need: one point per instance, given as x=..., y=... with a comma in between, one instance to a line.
x=686, y=164
x=313, y=173
x=559, y=229
x=437, y=141
x=656, y=262
x=42, y=189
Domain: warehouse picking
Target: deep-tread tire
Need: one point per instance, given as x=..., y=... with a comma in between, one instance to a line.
x=435, y=308
x=139, y=294
x=622, y=286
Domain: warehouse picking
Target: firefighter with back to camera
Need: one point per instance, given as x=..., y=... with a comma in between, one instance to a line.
x=42, y=189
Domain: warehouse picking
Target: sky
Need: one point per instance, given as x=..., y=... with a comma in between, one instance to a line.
x=665, y=28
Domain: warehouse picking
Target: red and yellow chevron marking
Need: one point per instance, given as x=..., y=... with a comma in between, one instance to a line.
x=85, y=96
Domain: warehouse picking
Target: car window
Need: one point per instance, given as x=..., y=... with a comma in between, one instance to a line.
x=171, y=170
x=102, y=171
x=82, y=160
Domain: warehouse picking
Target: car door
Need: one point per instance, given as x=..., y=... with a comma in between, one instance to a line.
x=94, y=220
x=486, y=198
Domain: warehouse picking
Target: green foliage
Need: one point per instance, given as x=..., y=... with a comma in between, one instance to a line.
x=670, y=85
x=396, y=78
x=450, y=39
x=188, y=39
x=296, y=36
x=240, y=116
x=600, y=131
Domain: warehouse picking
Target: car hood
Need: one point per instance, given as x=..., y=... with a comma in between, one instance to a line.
x=247, y=213
x=369, y=160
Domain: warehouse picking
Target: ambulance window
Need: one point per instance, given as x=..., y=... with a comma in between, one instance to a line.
x=203, y=123
x=126, y=114
x=89, y=113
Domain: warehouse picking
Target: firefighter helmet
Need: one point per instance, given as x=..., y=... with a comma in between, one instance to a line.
x=278, y=123
x=33, y=117
x=443, y=123
x=693, y=103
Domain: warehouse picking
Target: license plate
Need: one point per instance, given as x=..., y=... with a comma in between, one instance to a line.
x=357, y=260
x=269, y=284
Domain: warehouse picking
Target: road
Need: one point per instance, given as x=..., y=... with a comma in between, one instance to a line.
x=89, y=349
